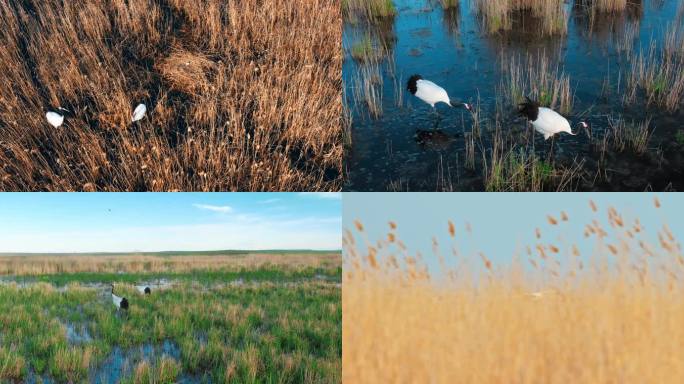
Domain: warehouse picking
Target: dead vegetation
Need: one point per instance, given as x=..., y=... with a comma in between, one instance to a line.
x=27, y=265
x=241, y=95
x=567, y=307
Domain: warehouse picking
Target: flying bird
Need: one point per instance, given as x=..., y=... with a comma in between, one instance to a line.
x=139, y=112
x=119, y=302
x=545, y=120
x=144, y=289
x=431, y=93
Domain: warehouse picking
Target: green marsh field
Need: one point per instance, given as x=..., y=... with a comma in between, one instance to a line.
x=231, y=317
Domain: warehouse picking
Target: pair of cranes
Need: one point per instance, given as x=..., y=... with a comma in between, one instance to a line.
x=121, y=302
x=56, y=119
x=544, y=120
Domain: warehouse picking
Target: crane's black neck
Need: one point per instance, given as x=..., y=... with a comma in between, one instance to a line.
x=412, y=85
x=529, y=109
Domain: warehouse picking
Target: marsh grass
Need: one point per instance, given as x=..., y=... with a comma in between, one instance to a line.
x=517, y=171
x=535, y=77
x=679, y=137
x=241, y=95
x=225, y=334
x=367, y=88
x=369, y=11
x=658, y=75
x=449, y=4
x=632, y=136
x=498, y=16
x=35, y=265
x=555, y=313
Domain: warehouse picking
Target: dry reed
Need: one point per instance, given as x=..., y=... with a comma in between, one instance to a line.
x=51, y=264
x=612, y=316
x=242, y=95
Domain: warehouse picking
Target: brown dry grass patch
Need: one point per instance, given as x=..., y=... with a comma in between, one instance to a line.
x=258, y=107
x=132, y=263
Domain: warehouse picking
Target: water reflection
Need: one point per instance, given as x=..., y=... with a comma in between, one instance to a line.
x=601, y=26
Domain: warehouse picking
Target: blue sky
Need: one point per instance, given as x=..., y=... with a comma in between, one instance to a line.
x=123, y=222
x=503, y=224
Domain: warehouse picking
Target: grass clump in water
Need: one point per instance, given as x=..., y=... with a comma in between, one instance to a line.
x=368, y=10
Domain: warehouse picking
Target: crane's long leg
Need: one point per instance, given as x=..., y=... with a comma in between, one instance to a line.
x=553, y=143
x=438, y=117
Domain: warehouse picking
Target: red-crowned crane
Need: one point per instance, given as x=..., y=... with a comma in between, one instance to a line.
x=119, y=302
x=431, y=93
x=545, y=120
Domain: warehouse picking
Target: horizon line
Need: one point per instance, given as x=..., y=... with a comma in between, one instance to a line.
x=217, y=251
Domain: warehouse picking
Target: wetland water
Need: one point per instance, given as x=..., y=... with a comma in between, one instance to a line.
x=407, y=147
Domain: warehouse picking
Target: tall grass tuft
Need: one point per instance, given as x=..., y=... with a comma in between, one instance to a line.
x=498, y=16
x=658, y=75
x=367, y=10
x=535, y=77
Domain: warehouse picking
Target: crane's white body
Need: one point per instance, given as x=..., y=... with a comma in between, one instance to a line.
x=431, y=93
x=139, y=112
x=116, y=300
x=55, y=119
x=550, y=122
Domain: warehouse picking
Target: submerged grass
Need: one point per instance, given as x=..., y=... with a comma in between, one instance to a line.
x=241, y=95
x=554, y=314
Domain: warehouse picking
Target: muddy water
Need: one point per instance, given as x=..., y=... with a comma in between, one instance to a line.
x=410, y=148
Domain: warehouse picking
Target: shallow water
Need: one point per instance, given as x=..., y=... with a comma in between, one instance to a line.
x=410, y=148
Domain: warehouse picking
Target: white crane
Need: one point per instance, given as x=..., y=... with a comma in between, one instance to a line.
x=431, y=93
x=54, y=118
x=139, y=112
x=544, y=120
x=119, y=302
x=144, y=289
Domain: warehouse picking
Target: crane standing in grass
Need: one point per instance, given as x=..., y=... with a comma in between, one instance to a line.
x=139, y=112
x=119, y=302
x=432, y=93
x=56, y=119
x=144, y=289
x=545, y=120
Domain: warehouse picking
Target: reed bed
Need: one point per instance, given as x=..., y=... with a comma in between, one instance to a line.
x=241, y=95
x=554, y=314
x=535, y=77
x=499, y=16
x=658, y=75
x=368, y=11
x=131, y=263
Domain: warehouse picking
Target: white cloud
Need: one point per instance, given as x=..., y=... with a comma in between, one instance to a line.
x=214, y=208
x=323, y=195
x=269, y=201
x=248, y=232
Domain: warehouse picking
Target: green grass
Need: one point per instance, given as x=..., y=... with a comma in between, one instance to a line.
x=204, y=277
x=367, y=10
x=518, y=171
x=363, y=49
x=251, y=333
x=679, y=137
